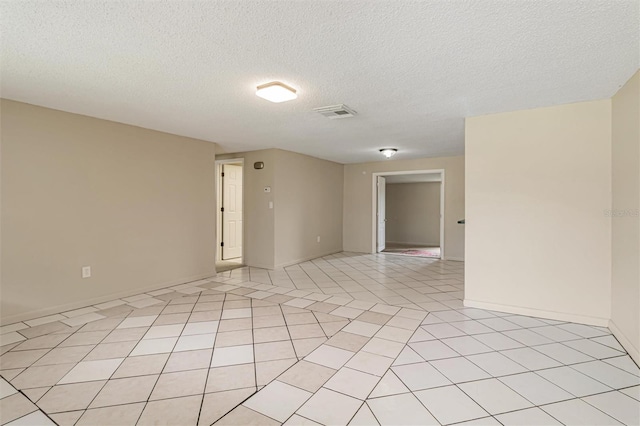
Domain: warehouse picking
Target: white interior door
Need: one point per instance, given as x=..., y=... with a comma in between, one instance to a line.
x=232, y=213
x=382, y=218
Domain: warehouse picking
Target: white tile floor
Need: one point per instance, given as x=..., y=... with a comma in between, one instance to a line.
x=345, y=339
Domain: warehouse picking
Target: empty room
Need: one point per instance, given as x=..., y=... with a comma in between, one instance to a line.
x=318, y=212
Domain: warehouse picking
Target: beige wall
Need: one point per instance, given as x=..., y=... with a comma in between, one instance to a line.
x=625, y=295
x=136, y=205
x=538, y=240
x=308, y=204
x=259, y=225
x=413, y=213
x=358, y=199
x=307, y=201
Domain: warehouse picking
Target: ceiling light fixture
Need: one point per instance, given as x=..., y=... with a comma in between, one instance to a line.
x=388, y=152
x=276, y=92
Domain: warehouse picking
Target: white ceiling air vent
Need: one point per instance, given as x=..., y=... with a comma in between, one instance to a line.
x=336, y=111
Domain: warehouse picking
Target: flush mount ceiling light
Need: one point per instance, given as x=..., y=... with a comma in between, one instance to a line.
x=388, y=152
x=276, y=92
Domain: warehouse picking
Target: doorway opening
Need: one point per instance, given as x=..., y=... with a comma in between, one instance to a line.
x=229, y=223
x=408, y=213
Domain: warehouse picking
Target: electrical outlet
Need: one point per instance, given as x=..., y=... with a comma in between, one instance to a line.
x=86, y=272
x=318, y=238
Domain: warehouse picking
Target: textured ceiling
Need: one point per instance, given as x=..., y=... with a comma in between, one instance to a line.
x=411, y=69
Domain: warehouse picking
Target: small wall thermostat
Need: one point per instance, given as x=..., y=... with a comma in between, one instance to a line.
x=258, y=165
x=267, y=189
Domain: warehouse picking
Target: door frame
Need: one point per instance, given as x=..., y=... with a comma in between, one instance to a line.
x=218, y=183
x=378, y=205
x=374, y=204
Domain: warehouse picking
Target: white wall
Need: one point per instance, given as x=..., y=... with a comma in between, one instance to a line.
x=625, y=291
x=358, y=198
x=538, y=183
x=308, y=205
x=307, y=201
x=259, y=219
x=413, y=213
x=136, y=205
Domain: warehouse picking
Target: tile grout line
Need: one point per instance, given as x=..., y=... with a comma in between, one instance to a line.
x=146, y=403
x=210, y=360
x=373, y=273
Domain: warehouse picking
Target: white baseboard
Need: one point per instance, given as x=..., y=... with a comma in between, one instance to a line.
x=304, y=259
x=456, y=259
x=559, y=316
x=26, y=316
x=633, y=351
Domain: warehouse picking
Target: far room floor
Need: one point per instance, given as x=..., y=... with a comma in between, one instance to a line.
x=413, y=250
x=344, y=339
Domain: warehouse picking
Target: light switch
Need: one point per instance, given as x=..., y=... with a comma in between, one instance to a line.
x=86, y=272
x=270, y=204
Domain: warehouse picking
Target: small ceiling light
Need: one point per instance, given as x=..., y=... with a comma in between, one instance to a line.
x=388, y=152
x=276, y=92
